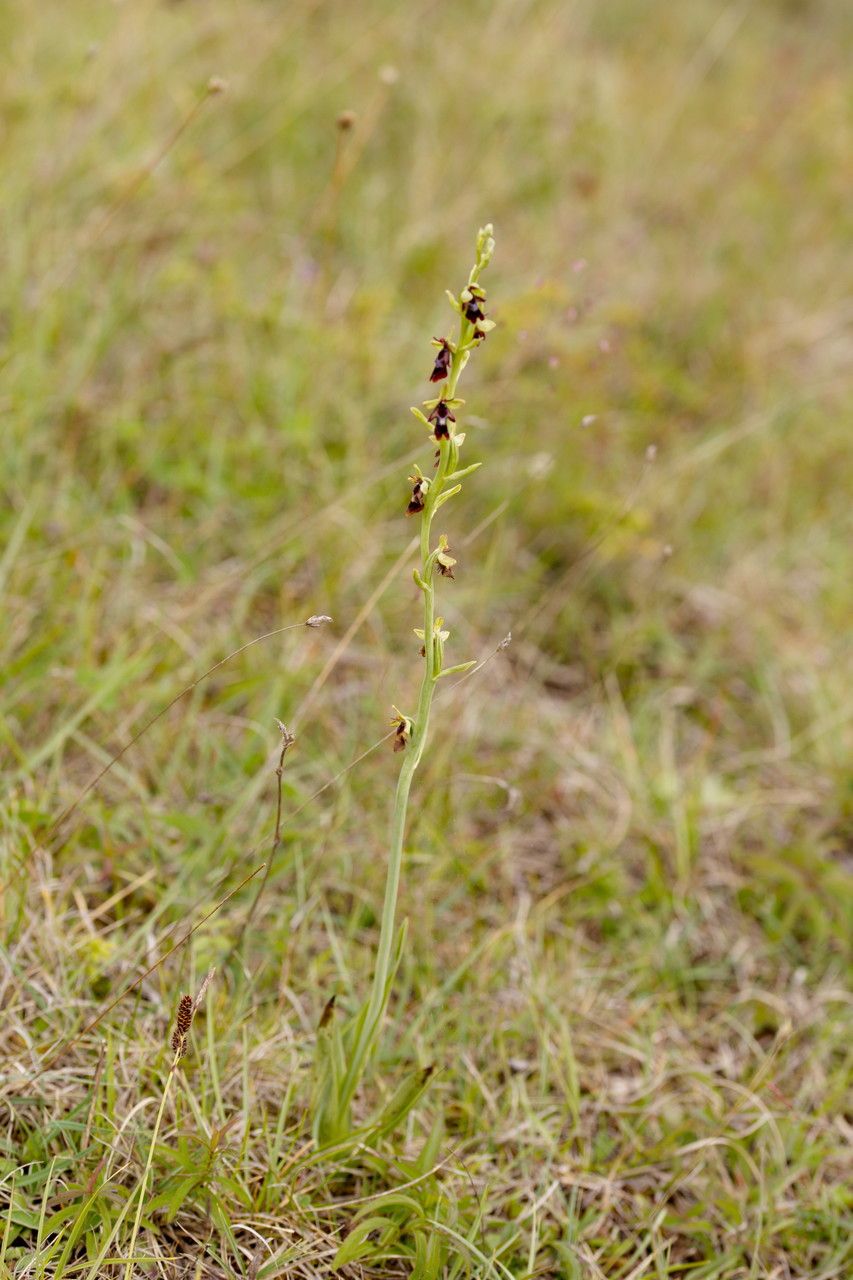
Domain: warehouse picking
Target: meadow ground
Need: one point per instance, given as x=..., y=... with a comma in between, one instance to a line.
x=628, y=871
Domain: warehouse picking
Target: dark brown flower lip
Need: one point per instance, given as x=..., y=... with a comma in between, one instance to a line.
x=416, y=502
x=440, y=418
x=420, y=488
x=402, y=726
x=441, y=367
x=472, y=299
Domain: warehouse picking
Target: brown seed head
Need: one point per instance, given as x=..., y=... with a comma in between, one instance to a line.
x=183, y=1022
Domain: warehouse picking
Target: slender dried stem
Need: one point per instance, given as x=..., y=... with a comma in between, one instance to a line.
x=287, y=741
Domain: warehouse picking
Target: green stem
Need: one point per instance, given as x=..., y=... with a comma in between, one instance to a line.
x=404, y=785
x=420, y=727
x=334, y=1121
x=128, y=1271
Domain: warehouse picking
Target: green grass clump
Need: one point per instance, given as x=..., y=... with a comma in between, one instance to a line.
x=628, y=875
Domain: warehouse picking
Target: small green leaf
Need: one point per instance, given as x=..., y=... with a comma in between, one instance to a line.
x=357, y=1244
x=458, y=669
x=402, y=1100
x=446, y=496
x=466, y=471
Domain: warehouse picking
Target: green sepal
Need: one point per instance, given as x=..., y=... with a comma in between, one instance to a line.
x=458, y=669
x=446, y=496
x=466, y=471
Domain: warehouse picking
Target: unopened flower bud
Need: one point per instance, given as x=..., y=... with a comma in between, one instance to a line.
x=443, y=559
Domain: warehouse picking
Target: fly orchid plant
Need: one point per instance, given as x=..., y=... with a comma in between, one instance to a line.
x=345, y=1052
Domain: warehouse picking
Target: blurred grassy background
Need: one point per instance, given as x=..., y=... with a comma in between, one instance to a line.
x=633, y=832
